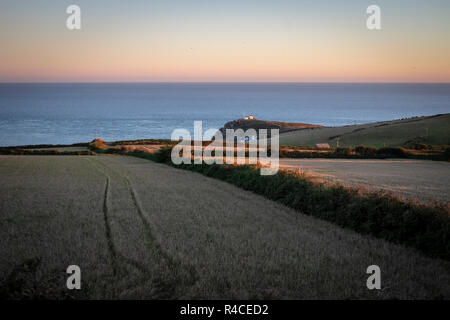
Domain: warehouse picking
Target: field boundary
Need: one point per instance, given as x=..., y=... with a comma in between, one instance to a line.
x=426, y=228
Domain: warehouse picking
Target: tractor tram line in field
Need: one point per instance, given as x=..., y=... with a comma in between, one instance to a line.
x=119, y=259
x=111, y=248
x=152, y=242
x=106, y=208
x=139, y=229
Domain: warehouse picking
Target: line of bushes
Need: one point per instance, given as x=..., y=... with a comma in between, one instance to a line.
x=144, y=141
x=362, y=152
x=426, y=228
x=40, y=146
x=28, y=152
x=359, y=152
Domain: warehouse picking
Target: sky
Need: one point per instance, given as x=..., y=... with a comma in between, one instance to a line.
x=222, y=41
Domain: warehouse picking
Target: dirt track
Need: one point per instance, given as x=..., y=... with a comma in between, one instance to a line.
x=420, y=179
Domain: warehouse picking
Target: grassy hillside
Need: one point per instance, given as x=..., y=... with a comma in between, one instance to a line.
x=257, y=124
x=433, y=130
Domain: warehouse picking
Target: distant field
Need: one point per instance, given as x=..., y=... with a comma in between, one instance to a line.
x=62, y=149
x=418, y=179
x=139, y=229
x=434, y=130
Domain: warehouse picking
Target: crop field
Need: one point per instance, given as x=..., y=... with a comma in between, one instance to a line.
x=433, y=130
x=62, y=149
x=139, y=229
x=423, y=180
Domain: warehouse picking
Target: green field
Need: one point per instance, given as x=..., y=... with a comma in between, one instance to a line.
x=433, y=130
x=139, y=229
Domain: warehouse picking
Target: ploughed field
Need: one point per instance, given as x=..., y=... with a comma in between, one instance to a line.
x=138, y=229
x=424, y=180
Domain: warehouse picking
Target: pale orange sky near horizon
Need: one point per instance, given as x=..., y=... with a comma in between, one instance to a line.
x=158, y=41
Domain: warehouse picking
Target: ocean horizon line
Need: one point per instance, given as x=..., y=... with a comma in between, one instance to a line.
x=221, y=82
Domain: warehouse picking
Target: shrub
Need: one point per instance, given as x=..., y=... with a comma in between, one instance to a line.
x=381, y=215
x=164, y=155
x=366, y=151
x=393, y=152
x=344, y=151
x=98, y=144
x=446, y=154
x=422, y=146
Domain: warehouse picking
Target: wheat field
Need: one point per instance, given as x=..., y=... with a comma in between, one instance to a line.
x=423, y=180
x=143, y=230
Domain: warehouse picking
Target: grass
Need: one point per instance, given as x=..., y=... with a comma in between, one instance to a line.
x=139, y=229
x=66, y=223
x=262, y=124
x=428, y=184
x=433, y=130
x=48, y=151
x=426, y=228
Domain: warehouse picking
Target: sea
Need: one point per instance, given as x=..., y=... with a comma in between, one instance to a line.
x=66, y=113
